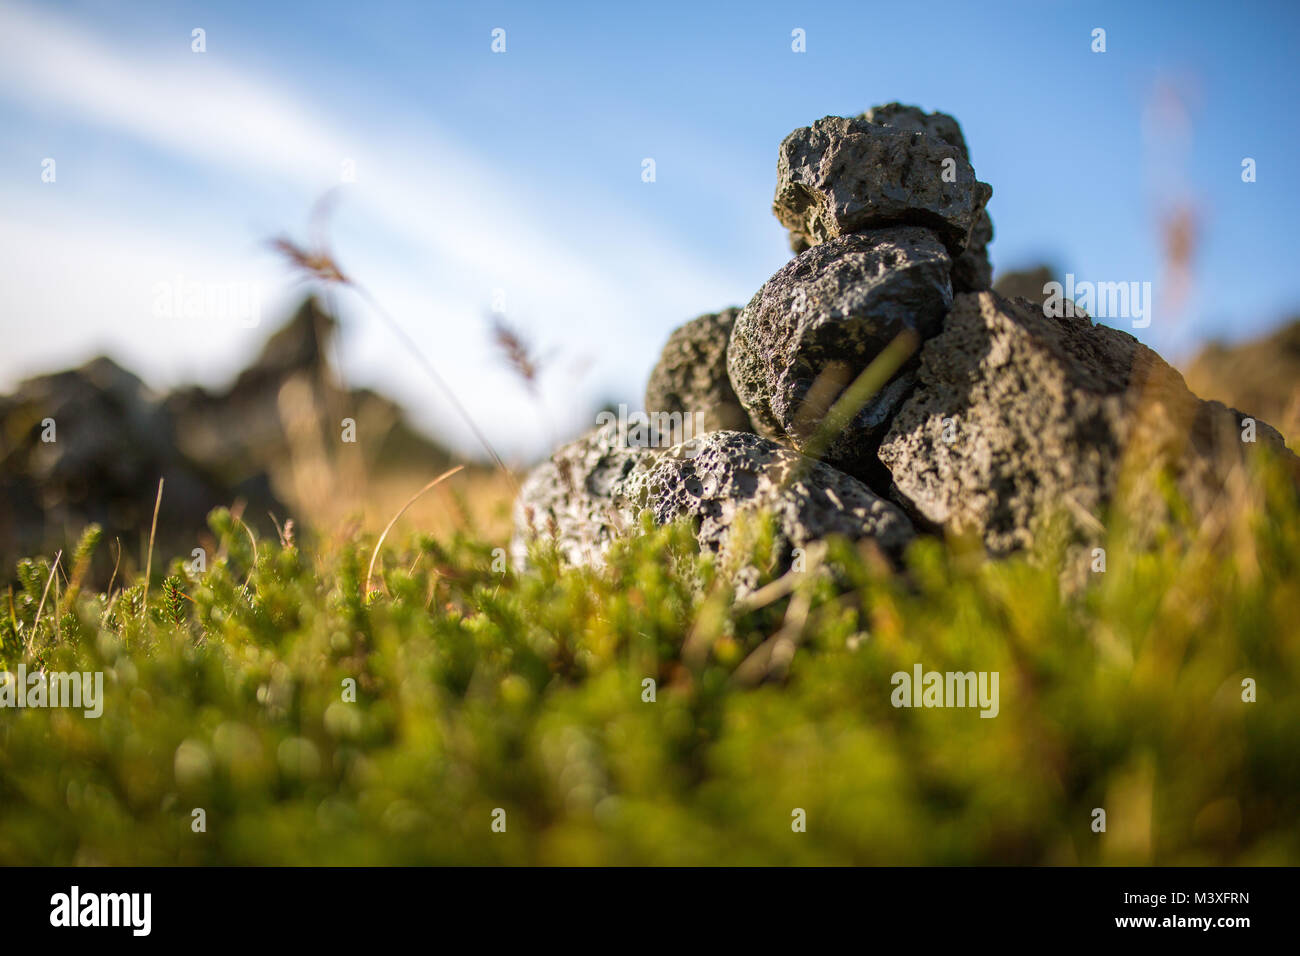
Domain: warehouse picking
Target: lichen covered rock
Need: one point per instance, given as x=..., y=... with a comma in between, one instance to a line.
x=842, y=175
x=971, y=269
x=1017, y=416
x=571, y=499
x=591, y=492
x=731, y=475
x=822, y=319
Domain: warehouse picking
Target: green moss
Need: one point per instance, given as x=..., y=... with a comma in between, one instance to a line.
x=478, y=689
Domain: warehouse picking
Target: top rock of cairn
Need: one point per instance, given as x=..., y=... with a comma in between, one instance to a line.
x=892, y=165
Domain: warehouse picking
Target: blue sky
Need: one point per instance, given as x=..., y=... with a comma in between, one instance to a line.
x=520, y=173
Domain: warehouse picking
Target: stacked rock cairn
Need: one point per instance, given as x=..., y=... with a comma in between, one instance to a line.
x=993, y=418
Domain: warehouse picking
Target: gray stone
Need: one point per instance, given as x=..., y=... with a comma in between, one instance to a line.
x=690, y=378
x=727, y=476
x=971, y=270
x=913, y=119
x=843, y=175
x=571, y=499
x=816, y=324
x=591, y=492
x=1017, y=416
